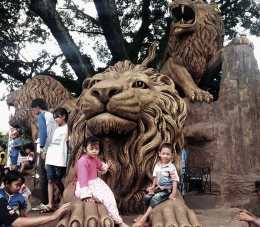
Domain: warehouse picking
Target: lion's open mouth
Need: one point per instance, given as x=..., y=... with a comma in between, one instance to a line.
x=107, y=123
x=183, y=15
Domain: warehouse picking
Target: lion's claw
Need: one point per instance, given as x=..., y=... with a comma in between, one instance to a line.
x=201, y=96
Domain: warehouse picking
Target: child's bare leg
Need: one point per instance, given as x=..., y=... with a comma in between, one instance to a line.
x=22, y=167
x=50, y=193
x=145, y=208
x=143, y=218
x=146, y=214
x=60, y=186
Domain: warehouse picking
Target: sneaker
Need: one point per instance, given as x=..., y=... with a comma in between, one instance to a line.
x=40, y=207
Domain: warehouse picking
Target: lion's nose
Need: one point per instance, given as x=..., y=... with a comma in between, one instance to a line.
x=104, y=94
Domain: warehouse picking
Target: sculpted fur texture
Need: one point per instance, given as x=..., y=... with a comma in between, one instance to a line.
x=133, y=109
x=195, y=43
x=40, y=86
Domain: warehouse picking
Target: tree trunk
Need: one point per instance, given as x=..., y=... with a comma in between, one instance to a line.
x=46, y=9
x=110, y=25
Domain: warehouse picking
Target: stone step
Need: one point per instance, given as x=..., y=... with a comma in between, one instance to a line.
x=200, y=201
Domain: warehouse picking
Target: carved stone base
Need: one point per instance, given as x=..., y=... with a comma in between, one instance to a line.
x=225, y=134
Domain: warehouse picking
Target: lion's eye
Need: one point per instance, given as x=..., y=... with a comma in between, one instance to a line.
x=139, y=84
x=93, y=82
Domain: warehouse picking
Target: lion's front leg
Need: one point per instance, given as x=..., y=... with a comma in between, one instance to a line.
x=173, y=213
x=183, y=79
x=83, y=214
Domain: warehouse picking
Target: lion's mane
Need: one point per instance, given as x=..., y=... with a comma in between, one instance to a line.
x=135, y=154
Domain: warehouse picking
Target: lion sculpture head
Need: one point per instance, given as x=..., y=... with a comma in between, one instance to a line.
x=132, y=109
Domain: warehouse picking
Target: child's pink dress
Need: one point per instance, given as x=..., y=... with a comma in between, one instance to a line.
x=90, y=185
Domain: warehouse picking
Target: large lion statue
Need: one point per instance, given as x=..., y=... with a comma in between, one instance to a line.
x=196, y=46
x=133, y=109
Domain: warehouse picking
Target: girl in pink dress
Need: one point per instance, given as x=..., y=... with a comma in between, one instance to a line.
x=89, y=186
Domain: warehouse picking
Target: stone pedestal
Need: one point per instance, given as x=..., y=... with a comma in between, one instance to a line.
x=225, y=134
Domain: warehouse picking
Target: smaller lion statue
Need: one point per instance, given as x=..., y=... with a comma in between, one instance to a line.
x=196, y=46
x=40, y=86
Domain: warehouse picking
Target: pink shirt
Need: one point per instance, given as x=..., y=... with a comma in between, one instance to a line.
x=86, y=169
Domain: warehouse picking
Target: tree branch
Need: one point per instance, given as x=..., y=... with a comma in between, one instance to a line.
x=138, y=39
x=46, y=9
x=110, y=24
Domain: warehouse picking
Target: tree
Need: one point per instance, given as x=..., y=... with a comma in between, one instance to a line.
x=122, y=30
x=3, y=138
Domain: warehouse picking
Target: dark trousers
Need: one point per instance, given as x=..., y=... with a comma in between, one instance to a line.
x=158, y=197
x=43, y=181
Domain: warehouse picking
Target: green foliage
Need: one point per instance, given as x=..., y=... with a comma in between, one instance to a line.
x=3, y=138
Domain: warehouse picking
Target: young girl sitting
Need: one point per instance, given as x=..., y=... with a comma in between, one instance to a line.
x=91, y=188
x=164, y=183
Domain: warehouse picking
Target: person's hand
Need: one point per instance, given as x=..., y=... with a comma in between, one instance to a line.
x=109, y=164
x=43, y=155
x=247, y=212
x=59, y=212
x=149, y=189
x=243, y=216
x=172, y=197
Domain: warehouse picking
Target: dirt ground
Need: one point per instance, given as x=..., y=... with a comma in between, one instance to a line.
x=207, y=217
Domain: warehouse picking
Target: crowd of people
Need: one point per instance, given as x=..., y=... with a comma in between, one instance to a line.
x=52, y=161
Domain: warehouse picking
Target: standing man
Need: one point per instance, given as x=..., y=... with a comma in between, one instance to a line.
x=245, y=215
x=46, y=128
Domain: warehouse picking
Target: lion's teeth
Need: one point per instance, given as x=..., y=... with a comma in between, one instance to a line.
x=182, y=9
x=189, y=21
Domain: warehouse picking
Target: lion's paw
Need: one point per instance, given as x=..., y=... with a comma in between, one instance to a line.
x=200, y=95
x=87, y=214
x=241, y=40
x=175, y=213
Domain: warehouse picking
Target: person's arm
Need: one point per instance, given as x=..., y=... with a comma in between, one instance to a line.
x=41, y=220
x=155, y=180
x=82, y=175
x=22, y=213
x=154, y=185
x=42, y=129
x=243, y=216
x=249, y=213
x=172, y=196
x=2, y=156
x=103, y=167
x=17, y=143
